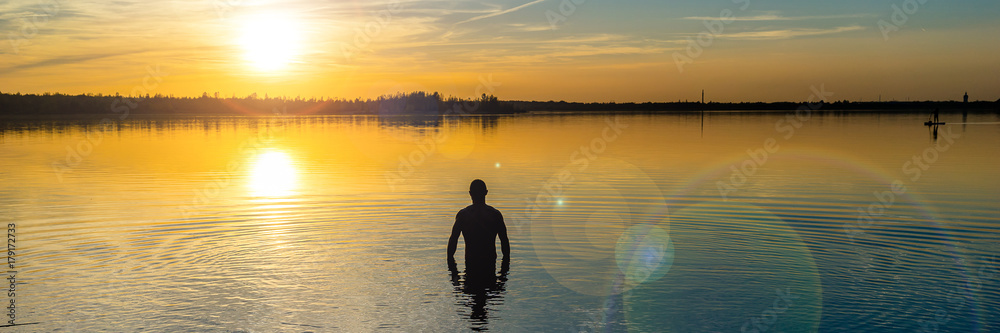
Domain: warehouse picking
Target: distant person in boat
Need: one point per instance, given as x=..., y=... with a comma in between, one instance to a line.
x=479, y=224
x=936, y=116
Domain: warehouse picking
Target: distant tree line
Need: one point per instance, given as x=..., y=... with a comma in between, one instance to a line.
x=684, y=106
x=415, y=103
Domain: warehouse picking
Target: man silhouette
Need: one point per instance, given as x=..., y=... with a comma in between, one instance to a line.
x=479, y=224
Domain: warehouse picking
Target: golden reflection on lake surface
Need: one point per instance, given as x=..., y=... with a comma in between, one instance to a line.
x=640, y=222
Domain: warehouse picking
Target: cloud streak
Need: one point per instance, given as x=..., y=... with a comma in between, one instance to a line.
x=501, y=12
x=58, y=61
x=789, y=33
x=771, y=17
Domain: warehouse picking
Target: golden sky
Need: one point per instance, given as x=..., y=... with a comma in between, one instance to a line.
x=574, y=50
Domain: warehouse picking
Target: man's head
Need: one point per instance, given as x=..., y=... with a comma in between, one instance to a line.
x=477, y=190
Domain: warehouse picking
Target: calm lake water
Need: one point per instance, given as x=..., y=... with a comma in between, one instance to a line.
x=735, y=222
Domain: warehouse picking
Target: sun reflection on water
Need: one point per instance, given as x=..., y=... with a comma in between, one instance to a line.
x=273, y=175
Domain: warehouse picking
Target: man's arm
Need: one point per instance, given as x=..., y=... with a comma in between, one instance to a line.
x=453, y=241
x=504, y=242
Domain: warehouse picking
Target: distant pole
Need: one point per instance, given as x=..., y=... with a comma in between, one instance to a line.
x=703, y=96
x=965, y=110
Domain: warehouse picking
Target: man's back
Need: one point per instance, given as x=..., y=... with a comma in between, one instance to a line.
x=480, y=224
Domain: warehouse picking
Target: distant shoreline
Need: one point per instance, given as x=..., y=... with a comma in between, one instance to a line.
x=59, y=106
x=749, y=111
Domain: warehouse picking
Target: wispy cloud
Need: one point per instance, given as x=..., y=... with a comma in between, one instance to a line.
x=58, y=61
x=529, y=28
x=500, y=12
x=518, y=53
x=789, y=33
x=776, y=17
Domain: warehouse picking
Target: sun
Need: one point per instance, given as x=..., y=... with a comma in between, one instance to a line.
x=270, y=41
x=273, y=174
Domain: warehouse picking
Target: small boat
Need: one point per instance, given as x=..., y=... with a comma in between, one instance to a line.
x=931, y=123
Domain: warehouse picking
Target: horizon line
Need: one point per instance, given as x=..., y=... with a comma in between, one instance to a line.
x=329, y=98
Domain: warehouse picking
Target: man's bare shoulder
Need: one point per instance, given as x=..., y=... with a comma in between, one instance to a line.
x=494, y=210
x=472, y=209
x=463, y=213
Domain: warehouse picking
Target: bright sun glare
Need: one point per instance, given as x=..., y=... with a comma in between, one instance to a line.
x=272, y=175
x=270, y=41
